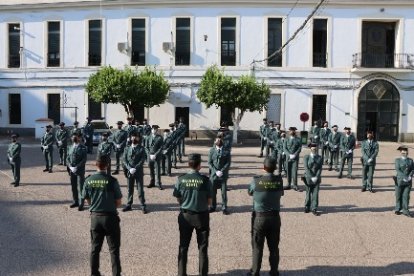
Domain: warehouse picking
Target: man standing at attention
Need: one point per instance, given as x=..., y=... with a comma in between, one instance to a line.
x=62, y=137
x=13, y=157
x=347, y=147
x=266, y=190
x=193, y=193
x=103, y=194
x=119, y=142
x=88, y=132
x=47, y=148
x=369, y=150
x=292, y=149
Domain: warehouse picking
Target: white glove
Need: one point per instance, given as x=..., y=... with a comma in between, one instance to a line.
x=265, y=138
x=87, y=136
x=118, y=146
x=59, y=143
x=219, y=173
x=407, y=179
x=349, y=151
x=73, y=169
x=45, y=147
x=152, y=157
x=292, y=156
x=326, y=143
x=370, y=160
x=128, y=139
x=132, y=171
x=164, y=152
x=314, y=179
x=315, y=137
x=336, y=146
x=11, y=160
x=272, y=142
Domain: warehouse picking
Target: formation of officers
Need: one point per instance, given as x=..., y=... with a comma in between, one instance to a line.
x=136, y=144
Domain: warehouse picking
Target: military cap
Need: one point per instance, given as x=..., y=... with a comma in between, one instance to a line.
x=272, y=122
x=61, y=124
x=270, y=162
x=264, y=119
x=400, y=148
x=223, y=124
x=166, y=130
x=171, y=125
x=155, y=126
x=76, y=123
x=49, y=126
x=347, y=128
x=293, y=128
x=135, y=133
x=129, y=118
x=277, y=124
x=119, y=123
x=15, y=135
x=334, y=126
x=312, y=145
x=105, y=134
x=145, y=120
x=282, y=131
x=89, y=118
x=194, y=157
x=370, y=132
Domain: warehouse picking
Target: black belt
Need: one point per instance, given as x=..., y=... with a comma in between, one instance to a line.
x=267, y=214
x=192, y=212
x=102, y=214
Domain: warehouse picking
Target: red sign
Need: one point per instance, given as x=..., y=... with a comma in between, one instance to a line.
x=304, y=117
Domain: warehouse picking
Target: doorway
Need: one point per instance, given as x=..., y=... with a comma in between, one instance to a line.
x=183, y=112
x=94, y=110
x=53, y=107
x=319, y=109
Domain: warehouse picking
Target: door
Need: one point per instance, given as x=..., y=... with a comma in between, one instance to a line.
x=94, y=110
x=319, y=108
x=53, y=107
x=273, y=108
x=379, y=111
x=183, y=112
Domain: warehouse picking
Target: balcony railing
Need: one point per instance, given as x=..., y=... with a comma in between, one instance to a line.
x=396, y=61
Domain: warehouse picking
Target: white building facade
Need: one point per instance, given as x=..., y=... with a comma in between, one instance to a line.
x=352, y=64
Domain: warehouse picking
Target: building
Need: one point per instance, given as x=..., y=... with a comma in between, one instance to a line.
x=352, y=64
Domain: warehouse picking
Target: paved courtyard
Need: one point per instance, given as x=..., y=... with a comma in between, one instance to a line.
x=356, y=234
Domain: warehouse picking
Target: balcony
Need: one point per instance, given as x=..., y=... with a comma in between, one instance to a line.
x=367, y=62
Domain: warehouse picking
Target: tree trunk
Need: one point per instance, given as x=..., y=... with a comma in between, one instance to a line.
x=236, y=125
x=128, y=110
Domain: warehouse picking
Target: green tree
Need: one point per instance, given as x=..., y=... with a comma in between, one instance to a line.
x=130, y=88
x=243, y=95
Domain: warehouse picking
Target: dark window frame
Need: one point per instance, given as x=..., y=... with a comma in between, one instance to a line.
x=13, y=51
x=320, y=41
x=138, y=52
x=228, y=47
x=182, y=46
x=54, y=55
x=95, y=57
x=272, y=44
x=15, y=112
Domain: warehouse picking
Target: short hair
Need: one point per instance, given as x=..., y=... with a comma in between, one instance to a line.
x=194, y=163
x=269, y=164
x=102, y=162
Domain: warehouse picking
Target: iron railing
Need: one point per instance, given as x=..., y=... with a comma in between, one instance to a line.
x=370, y=60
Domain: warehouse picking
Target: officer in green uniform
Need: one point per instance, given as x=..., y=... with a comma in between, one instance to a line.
x=369, y=149
x=274, y=136
x=173, y=134
x=105, y=149
x=129, y=128
x=264, y=133
x=146, y=131
x=266, y=190
x=76, y=162
x=88, y=133
x=227, y=136
x=62, y=137
x=193, y=193
x=334, y=141
x=47, y=142
x=13, y=158
x=403, y=181
x=154, y=153
x=167, y=148
x=313, y=168
x=75, y=129
x=314, y=133
x=292, y=149
x=181, y=142
x=119, y=142
x=281, y=156
x=347, y=147
x=219, y=161
x=134, y=159
x=324, y=142
x=104, y=196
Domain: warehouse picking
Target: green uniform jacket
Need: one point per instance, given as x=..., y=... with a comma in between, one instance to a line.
x=315, y=134
x=405, y=170
x=347, y=144
x=313, y=168
x=75, y=130
x=120, y=138
x=154, y=146
x=62, y=135
x=279, y=145
x=146, y=130
x=369, y=152
x=274, y=137
x=134, y=157
x=266, y=191
x=129, y=129
x=47, y=140
x=105, y=149
x=219, y=162
x=13, y=152
x=77, y=158
x=334, y=140
x=292, y=146
x=168, y=144
x=264, y=131
x=324, y=135
x=193, y=191
x=88, y=130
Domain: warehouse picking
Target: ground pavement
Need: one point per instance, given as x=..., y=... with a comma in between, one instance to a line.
x=356, y=234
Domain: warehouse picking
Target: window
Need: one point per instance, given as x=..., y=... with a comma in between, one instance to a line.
x=53, y=107
x=274, y=40
x=95, y=43
x=15, y=109
x=319, y=42
x=228, y=41
x=319, y=108
x=182, y=41
x=14, y=45
x=53, y=44
x=138, y=42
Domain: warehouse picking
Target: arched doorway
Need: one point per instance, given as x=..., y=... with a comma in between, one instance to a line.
x=379, y=110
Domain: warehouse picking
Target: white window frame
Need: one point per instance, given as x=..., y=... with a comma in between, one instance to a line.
x=328, y=43
x=7, y=52
x=130, y=37
x=103, y=41
x=174, y=29
x=237, y=37
x=46, y=40
x=266, y=42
